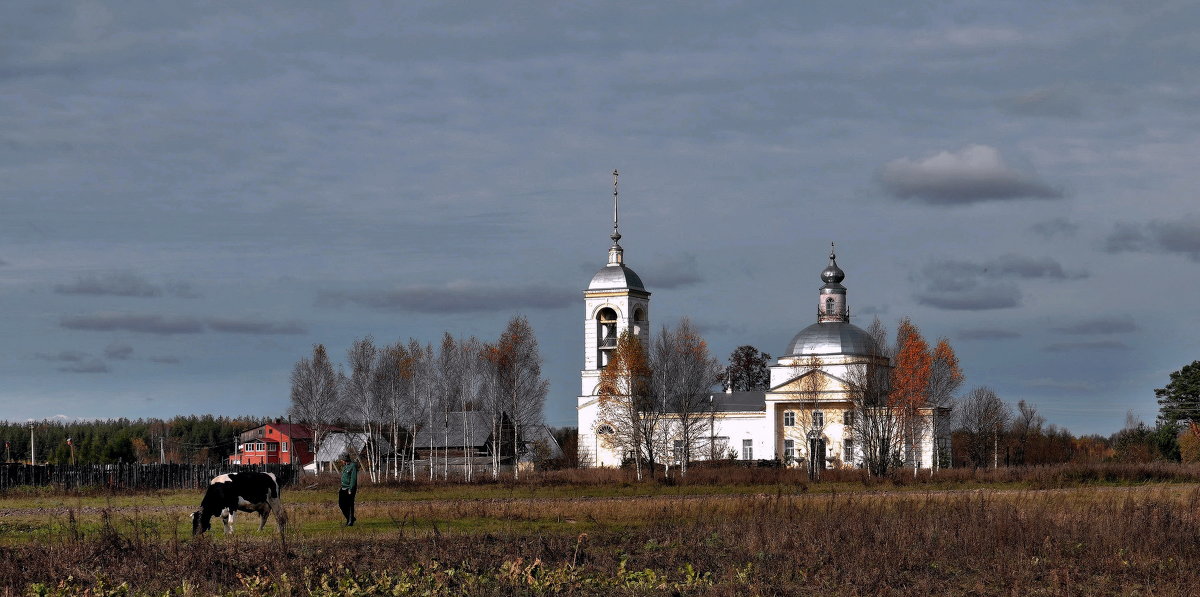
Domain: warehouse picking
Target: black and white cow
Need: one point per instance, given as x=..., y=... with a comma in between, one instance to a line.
x=248, y=492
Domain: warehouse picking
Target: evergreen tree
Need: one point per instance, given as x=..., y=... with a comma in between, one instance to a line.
x=1179, y=401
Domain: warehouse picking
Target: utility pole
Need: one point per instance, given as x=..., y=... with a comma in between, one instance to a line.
x=32, y=458
x=162, y=454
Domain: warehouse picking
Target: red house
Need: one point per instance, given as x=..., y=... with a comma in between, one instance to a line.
x=275, y=443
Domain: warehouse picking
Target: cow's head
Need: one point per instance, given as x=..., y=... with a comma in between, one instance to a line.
x=200, y=522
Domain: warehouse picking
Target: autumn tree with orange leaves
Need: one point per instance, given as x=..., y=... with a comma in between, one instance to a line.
x=910, y=381
x=923, y=383
x=627, y=414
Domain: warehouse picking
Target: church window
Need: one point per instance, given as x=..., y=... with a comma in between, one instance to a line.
x=848, y=417
x=606, y=335
x=789, y=419
x=747, y=449
x=829, y=306
x=605, y=429
x=677, y=449
x=789, y=450
x=818, y=419
x=848, y=450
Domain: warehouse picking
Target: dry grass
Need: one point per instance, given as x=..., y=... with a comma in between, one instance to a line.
x=1077, y=541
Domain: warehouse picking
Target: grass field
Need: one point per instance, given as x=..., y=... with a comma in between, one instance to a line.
x=1111, y=531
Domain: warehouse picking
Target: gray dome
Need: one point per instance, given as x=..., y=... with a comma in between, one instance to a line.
x=832, y=274
x=832, y=337
x=614, y=277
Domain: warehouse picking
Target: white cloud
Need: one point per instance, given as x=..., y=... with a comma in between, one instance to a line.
x=973, y=174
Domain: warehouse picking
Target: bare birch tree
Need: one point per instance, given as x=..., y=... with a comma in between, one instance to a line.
x=315, y=394
x=876, y=427
x=362, y=401
x=393, y=383
x=810, y=419
x=1025, y=426
x=983, y=416
x=945, y=378
x=683, y=375
x=519, y=382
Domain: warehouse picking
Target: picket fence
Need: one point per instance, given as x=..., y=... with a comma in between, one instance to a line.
x=130, y=476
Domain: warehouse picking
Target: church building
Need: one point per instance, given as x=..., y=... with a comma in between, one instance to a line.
x=807, y=415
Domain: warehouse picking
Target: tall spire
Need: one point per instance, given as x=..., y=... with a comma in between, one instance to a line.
x=615, y=252
x=616, y=236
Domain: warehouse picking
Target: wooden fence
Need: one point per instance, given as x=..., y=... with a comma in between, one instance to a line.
x=131, y=476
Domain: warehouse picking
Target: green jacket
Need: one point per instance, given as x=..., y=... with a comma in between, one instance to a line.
x=350, y=477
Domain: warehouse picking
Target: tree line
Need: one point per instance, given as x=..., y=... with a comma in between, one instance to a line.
x=396, y=391
x=180, y=440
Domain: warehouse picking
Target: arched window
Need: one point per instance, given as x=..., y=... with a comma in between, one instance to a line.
x=606, y=334
x=639, y=320
x=829, y=306
x=605, y=429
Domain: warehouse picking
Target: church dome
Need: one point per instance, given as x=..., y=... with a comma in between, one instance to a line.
x=832, y=274
x=613, y=277
x=832, y=338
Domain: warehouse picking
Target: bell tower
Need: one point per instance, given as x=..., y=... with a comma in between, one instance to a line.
x=832, y=306
x=614, y=301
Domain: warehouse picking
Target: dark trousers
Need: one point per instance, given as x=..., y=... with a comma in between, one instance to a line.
x=346, y=503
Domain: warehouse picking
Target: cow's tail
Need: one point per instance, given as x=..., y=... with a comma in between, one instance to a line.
x=281, y=516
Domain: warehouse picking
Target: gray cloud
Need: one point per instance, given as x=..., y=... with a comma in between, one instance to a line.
x=3, y=263
x=977, y=297
x=1180, y=236
x=165, y=326
x=872, y=310
x=118, y=352
x=144, y=324
x=74, y=362
x=1112, y=325
x=166, y=360
x=123, y=284
x=987, y=334
x=1054, y=384
x=265, y=328
x=1054, y=102
x=114, y=284
x=719, y=328
x=457, y=297
x=966, y=285
x=1018, y=266
x=1127, y=237
x=975, y=173
x=1055, y=227
x=90, y=366
x=675, y=273
x=182, y=290
x=66, y=356
x=1078, y=346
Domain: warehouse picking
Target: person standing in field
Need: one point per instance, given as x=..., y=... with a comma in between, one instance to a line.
x=349, y=490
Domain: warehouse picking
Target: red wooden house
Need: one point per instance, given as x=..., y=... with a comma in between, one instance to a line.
x=275, y=443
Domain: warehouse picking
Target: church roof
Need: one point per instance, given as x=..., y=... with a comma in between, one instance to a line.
x=830, y=338
x=733, y=402
x=613, y=277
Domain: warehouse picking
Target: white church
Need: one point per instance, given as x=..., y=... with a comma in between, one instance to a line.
x=805, y=416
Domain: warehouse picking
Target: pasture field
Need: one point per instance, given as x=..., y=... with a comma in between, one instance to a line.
x=734, y=533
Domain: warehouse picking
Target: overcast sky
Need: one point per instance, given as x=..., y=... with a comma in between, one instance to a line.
x=191, y=198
